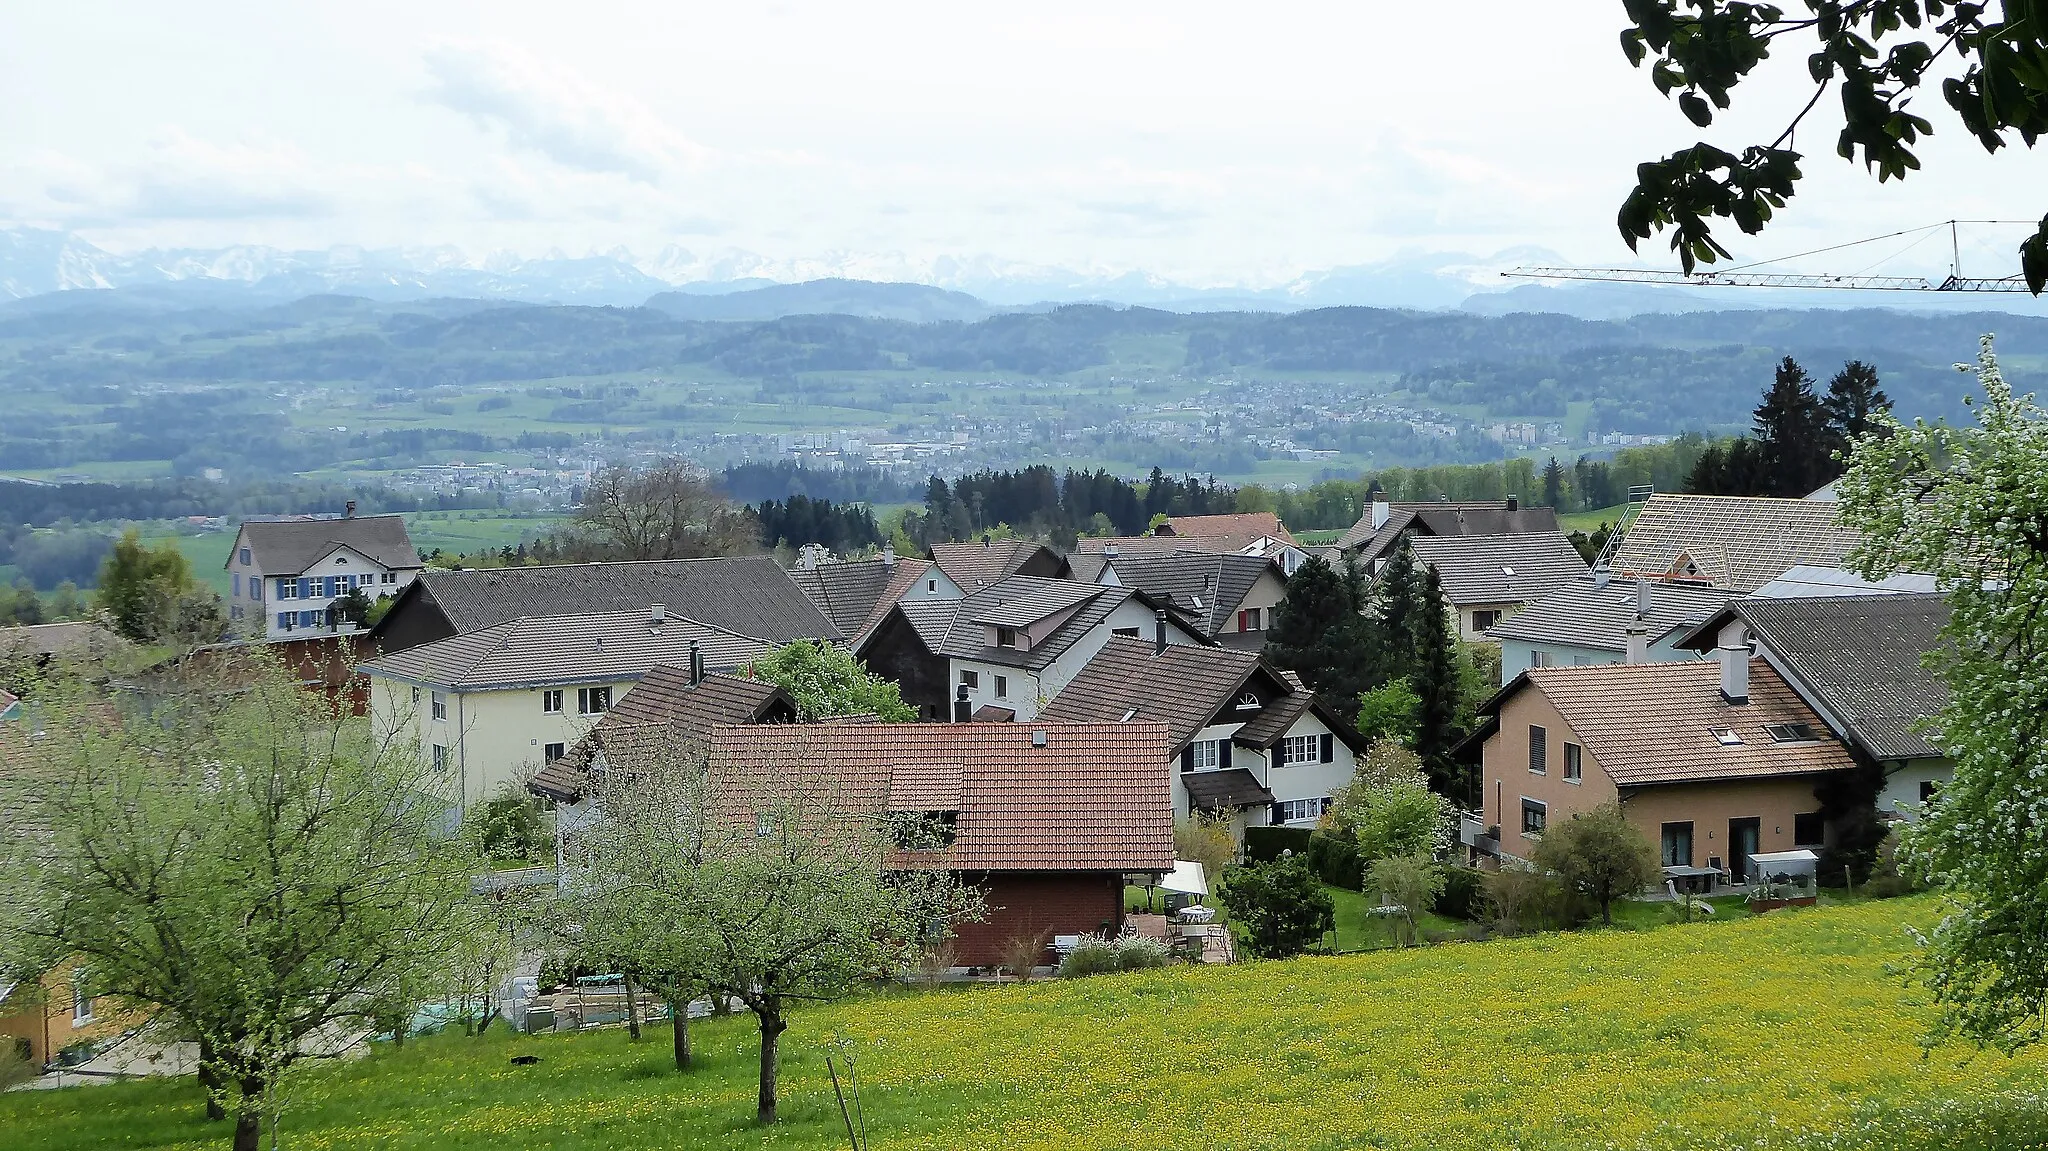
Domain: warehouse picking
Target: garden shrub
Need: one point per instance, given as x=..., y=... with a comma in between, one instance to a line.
x=1022, y=953
x=1136, y=952
x=1206, y=840
x=1334, y=856
x=1281, y=906
x=1517, y=901
x=1461, y=898
x=1265, y=844
x=1094, y=955
x=1411, y=882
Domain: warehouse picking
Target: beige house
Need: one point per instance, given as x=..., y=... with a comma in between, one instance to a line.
x=1712, y=760
x=1229, y=598
x=1486, y=579
x=494, y=706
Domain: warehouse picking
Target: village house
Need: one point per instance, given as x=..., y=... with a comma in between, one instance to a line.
x=856, y=594
x=1259, y=535
x=492, y=707
x=1245, y=741
x=1711, y=760
x=1857, y=662
x=1739, y=543
x=961, y=569
x=749, y=596
x=1598, y=620
x=1228, y=597
x=1488, y=578
x=1004, y=650
x=1372, y=540
x=1049, y=821
x=284, y=576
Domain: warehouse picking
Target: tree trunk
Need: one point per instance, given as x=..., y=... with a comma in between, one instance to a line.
x=772, y=1027
x=249, y=1116
x=679, y=1016
x=210, y=1082
x=632, y=1010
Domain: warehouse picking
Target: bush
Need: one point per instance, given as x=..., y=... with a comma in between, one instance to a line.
x=1135, y=953
x=1335, y=858
x=1206, y=840
x=1601, y=856
x=1021, y=954
x=1281, y=906
x=1264, y=844
x=1516, y=901
x=15, y=1066
x=1462, y=897
x=1411, y=882
x=1094, y=955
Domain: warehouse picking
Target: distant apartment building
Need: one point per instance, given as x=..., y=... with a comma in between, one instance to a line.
x=286, y=576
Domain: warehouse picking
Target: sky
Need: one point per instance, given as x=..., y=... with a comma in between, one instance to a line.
x=1211, y=144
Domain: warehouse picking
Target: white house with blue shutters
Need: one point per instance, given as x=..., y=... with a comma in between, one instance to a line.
x=285, y=576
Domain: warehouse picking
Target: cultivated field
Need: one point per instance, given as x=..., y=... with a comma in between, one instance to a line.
x=1779, y=1031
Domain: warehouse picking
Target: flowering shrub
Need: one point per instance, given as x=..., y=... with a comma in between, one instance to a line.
x=1135, y=953
x=1094, y=955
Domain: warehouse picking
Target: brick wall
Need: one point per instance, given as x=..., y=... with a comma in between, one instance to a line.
x=1025, y=903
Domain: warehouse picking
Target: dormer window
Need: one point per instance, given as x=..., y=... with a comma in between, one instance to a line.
x=1247, y=700
x=923, y=830
x=1006, y=637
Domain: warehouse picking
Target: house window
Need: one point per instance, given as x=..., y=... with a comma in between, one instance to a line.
x=593, y=700
x=287, y=589
x=1540, y=658
x=1300, y=810
x=440, y=706
x=1725, y=736
x=415, y=697
x=764, y=824
x=1002, y=687
x=1574, y=763
x=1535, y=814
x=440, y=758
x=1677, y=844
x=81, y=1003
x=1300, y=749
x=1248, y=620
x=1006, y=637
x=552, y=751
x=238, y=585
x=970, y=678
x=339, y=560
x=1928, y=789
x=255, y=589
x=245, y=557
x=1539, y=750
x=388, y=577
x=1481, y=620
x=1248, y=701
x=1808, y=829
x=310, y=618
x=1126, y=632
x=551, y=701
x=305, y=587
x=931, y=585
x=284, y=620
x=1791, y=732
x=1205, y=754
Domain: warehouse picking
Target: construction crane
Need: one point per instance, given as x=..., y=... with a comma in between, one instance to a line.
x=1741, y=276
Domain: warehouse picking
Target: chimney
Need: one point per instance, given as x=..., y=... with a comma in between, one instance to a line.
x=1109, y=551
x=1601, y=575
x=696, y=663
x=963, y=711
x=348, y=510
x=657, y=614
x=889, y=555
x=1159, y=632
x=1514, y=503
x=988, y=539
x=1642, y=597
x=1734, y=672
x=1638, y=643
x=1380, y=511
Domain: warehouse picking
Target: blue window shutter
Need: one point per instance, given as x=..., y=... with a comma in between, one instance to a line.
x=305, y=588
x=1187, y=758
x=1278, y=815
x=1329, y=747
x=1222, y=753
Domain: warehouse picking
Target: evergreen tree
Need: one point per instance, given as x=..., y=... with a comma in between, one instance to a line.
x=1553, y=484
x=1399, y=614
x=1706, y=476
x=1792, y=434
x=1436, y=682
x=1320, y=633
x=1854, y=399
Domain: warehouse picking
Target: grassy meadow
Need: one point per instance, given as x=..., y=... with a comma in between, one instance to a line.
x=1787, y=1030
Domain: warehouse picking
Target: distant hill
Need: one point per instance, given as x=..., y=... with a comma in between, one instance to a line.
x=916, y=303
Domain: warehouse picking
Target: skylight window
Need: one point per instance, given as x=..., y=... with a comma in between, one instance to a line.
x=1725, y=736
x=1792, y=733
x=1128, y=713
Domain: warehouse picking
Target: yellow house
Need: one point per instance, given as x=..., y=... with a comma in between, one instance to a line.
x=492, y=707
x=45, y=1018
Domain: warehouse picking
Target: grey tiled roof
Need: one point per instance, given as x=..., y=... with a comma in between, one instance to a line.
x=856, y=594
x=288, y=547
x=1185, y=687
x=954, y=628
x=1470, y=518
x=1021, y=601
x=666, y=702
x=747, y=595
x=1738, y=542
x=976, y=564
x=1579, y=614
x=1203, y=586
x=1857, y=657
x=545, y=650
x=1500, y=568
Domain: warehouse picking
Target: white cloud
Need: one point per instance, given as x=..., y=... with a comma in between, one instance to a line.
x=558, y=113
x=180, y=177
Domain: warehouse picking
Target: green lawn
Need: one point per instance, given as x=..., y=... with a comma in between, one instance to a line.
x=1589, y=522
x=1787, y=1030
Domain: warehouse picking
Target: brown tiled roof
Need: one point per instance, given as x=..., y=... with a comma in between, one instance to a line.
x=564, y=649
x=1242, y=527
x=1094, y=797
x=1651, y=723
x=1737, y=542
x=990, y=713
x=665, y=701
x=1206, y=587
x=976, y=564
x=1185, y=687
x=954, y=628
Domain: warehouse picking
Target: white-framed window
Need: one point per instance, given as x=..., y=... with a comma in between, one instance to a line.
x=81, y=1003
x=1302, y=810
x=1574, y=763
x=593, y=700
x=1301, y=749
x=1249, y=701
x=764, y=824
x=1205, y=754
x=931, y=585
x=440, y=757
x=552, y=752
x=440, y=706
x=288, y=589
x=1535, y=816
x=1539, y=658
x=551, y=701
x=1248, y=619
x=1002, y=687
x=388, y=577
x=970, y=678
x=285, y=620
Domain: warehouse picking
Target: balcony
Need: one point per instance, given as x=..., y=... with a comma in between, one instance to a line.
x=1474, y=832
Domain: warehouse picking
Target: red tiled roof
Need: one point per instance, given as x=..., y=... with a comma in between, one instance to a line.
x=1243, y=527
x=1094, y=797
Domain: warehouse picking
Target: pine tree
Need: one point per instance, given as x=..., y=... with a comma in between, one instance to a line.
x=1792, y=434
x=1706, y=477
x=1318, y=598
x=1400, y=608
x=1436, y=682
x=1553, y=484
x=1853, y=399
